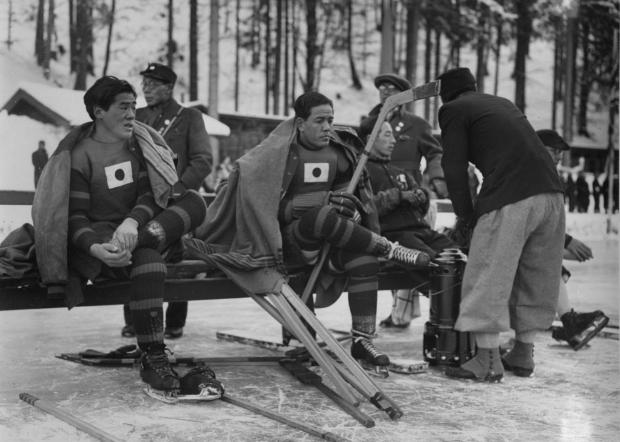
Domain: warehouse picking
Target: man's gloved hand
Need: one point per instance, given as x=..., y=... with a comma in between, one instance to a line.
x=416, y=197
x=461, y=232
x=346, y=204
x=439, y=187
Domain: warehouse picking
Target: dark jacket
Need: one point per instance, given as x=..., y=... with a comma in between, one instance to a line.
x=388, y=182
x=343, y=139
x=186, y=135
x=414, y=140
x=494, y=135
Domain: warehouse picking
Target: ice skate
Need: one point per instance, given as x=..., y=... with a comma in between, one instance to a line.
x=375, y=362
x=407, y=256
x=579, y=328
x=162, y=382
x=199, y=385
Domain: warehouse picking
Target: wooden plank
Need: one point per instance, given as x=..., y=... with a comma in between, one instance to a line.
x=26, y=293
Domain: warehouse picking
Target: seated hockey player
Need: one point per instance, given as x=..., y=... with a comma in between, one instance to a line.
x=120, y=222
x=401, y=205
x=315, y=208
x=577, y=328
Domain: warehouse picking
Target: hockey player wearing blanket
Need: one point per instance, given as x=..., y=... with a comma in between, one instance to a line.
x=292, y=189
x=117, y=176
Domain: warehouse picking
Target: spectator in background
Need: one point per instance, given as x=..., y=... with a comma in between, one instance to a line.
x=39, y=160
x=582, y=191
x=577, y=328
x=597, y=191
x=184, y=131
x=414, y=138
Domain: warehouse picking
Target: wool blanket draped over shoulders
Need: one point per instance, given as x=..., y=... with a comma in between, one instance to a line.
x=50, y=208
x=241, y=233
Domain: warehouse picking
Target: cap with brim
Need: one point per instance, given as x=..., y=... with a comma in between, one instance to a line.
x=398, y=81
x=159, y=72
x=552, y=139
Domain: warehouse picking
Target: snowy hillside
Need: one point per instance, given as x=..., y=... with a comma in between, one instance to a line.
x=145, y=20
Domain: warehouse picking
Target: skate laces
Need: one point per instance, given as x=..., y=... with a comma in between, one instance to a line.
x=402, y=254
x=368, y=346
x=158, y=361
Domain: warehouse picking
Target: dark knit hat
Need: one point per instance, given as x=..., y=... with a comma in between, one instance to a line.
x=552, y=139
x=454, y=82
x=160, y=72
x=398, y=81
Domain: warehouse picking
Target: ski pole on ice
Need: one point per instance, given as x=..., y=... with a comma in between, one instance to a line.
x=326, y=435
x=67, y=417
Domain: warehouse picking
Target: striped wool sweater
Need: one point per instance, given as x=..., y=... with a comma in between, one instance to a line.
x=109, y=183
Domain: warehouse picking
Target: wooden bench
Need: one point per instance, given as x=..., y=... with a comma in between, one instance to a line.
x=182, y=284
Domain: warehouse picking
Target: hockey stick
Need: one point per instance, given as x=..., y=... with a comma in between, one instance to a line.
x=67, y=417
x=417, y=93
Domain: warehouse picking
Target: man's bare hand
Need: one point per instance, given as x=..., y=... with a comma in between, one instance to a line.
x=126, y=235
x=578, y=251
x=111, y=255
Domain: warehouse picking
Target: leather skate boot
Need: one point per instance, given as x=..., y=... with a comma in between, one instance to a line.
x=486, y=366
x=579, y=328
x=407, y=256
x=520, y=360
x=162, y=382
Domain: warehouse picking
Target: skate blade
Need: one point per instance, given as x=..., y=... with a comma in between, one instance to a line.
x=408, y=368
x=590, y=332
x=167, y=397
x=207, y=394
x=379, y=371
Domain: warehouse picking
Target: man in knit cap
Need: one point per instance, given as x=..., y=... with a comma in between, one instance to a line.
x=517, y=225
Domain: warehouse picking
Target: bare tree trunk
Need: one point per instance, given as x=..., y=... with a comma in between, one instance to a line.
x=524, y=31
x=556, y=74
x=39, y=39
x=47, y=53
x=72, y=36
x=111, y=19
x=237, y=44
x=214, y=70
x=84, y=43
x=498, y=49
x=193, y=49
x=287, y=36
x=327, y=32
x=437, y=73
x=428, y=40
x=278, y=58
x=267, y=19
x=171, y=45
x=255, y=34
x=387, y=37
x=357, y=84
x=295, y=29
x=585, y=82
x=9, y=40
x=311, y=45
x=481, y=46
x=413, y=25
x=569, y=86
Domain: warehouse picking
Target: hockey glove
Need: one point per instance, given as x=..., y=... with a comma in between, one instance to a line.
x=346, y=204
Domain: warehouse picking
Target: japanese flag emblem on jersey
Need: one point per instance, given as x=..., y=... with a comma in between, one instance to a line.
x=316, y=172
x=119, y=174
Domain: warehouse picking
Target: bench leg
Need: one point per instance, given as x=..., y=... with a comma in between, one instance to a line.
x=326, y=363
x=358, y=374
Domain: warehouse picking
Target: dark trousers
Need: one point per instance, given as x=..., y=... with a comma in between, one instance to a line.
x=176, y=314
